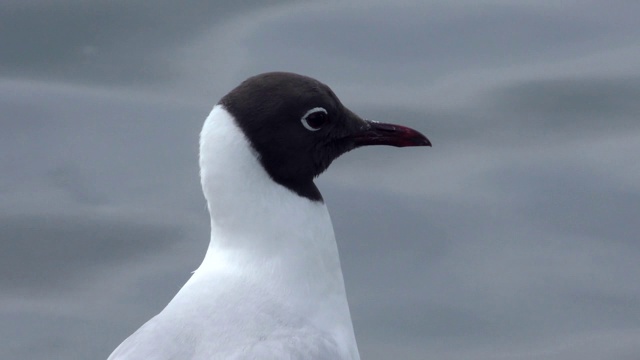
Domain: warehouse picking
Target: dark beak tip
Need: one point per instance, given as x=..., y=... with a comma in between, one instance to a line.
x=415, y=138
x=425, y=142
x=422, y=141
x=418, y=139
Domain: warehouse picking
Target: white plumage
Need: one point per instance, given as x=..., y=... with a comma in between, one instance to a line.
x=270, y=286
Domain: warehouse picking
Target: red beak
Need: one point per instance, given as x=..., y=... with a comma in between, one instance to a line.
x=388, y=134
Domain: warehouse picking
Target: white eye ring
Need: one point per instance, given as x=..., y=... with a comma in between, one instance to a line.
x=312, y=111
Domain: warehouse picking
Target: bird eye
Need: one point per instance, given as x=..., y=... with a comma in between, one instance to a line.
x=315, y=119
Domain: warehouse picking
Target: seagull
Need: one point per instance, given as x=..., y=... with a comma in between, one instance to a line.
x=270, y=286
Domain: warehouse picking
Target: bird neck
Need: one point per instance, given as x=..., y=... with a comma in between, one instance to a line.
x=256, y=222
x=268, y=244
